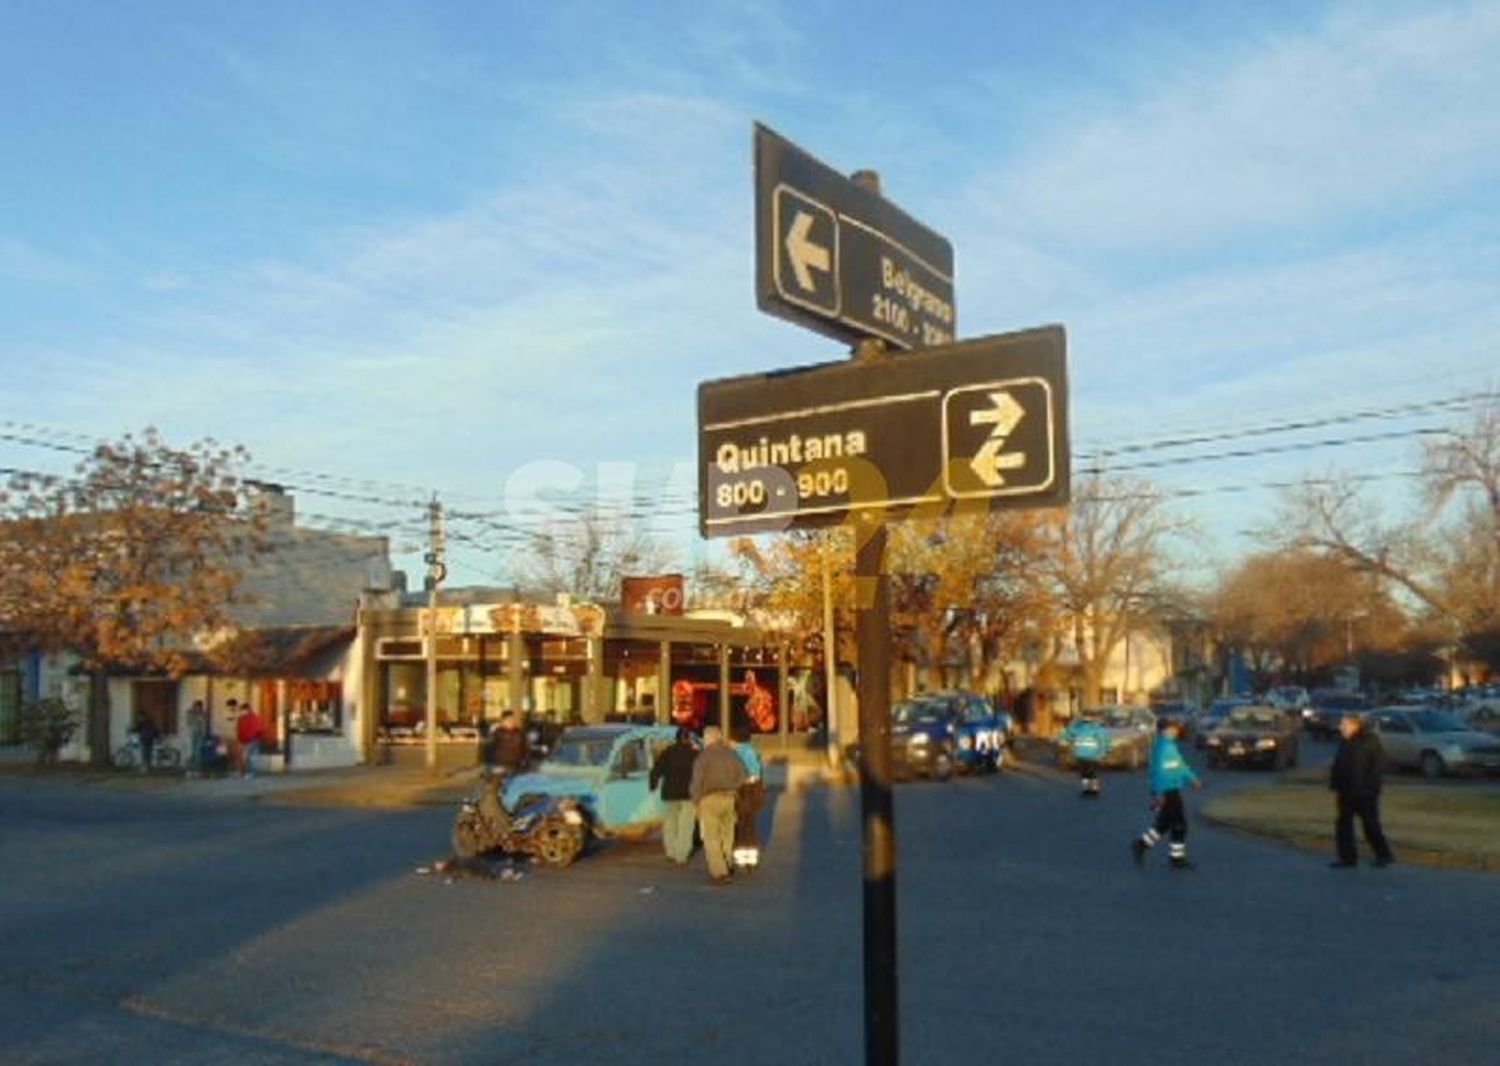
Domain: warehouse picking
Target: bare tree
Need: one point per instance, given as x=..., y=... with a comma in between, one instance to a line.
x=1107, y=567
x=588, y=556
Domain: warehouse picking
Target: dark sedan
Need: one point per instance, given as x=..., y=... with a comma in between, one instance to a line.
x=1254, y=736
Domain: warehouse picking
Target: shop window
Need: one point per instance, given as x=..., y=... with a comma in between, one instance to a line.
x=314, y=706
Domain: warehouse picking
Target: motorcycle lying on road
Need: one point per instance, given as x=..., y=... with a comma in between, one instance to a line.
x=549, y=829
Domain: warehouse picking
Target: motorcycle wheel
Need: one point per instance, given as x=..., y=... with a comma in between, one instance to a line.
x=469, y=837
x=558, y=843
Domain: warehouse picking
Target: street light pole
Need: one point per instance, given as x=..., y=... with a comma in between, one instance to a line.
x=436, y=571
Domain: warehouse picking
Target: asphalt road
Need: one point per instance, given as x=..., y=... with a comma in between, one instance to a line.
x=139, y=927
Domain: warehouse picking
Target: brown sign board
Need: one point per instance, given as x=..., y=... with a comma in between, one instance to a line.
x=659, y=594
x=981, y=424
x=838, y=258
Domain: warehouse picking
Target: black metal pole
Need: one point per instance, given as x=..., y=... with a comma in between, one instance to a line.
x=882, y=1045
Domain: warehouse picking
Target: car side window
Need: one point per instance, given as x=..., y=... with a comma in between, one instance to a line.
x=1389, y=723
x=631, y=758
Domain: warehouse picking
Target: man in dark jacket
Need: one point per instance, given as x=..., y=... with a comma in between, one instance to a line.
x=1355, y=779
x=673, y=770
x=509, y=751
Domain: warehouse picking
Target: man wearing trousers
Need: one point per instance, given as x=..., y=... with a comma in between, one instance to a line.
x=717, y=776
x=673, y=770
x=1355, y=779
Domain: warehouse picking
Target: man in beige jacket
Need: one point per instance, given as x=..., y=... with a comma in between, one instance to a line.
x=717, y=775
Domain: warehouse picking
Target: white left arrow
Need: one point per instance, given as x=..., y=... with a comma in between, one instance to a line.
x=990, y=461
x=804, y=254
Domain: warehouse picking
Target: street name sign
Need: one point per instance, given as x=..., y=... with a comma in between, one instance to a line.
x=979, y=424
x=835, y=257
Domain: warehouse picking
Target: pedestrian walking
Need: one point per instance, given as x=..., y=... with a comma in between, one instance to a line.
x=146, y=733
x=248, y=731
x=1355, y=780
x=673, y=771
x=717, y=776
x=1089, y=743
x=1170, y=774
x=749, y=799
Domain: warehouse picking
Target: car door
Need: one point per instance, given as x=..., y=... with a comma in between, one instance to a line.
x=1399, y=739
x=628, y=800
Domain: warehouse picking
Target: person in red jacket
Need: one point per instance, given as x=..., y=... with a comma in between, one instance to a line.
x=248, y=730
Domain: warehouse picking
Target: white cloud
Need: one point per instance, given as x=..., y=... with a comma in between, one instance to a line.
x=1365, y=115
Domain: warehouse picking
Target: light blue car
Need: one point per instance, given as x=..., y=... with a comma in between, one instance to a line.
x=606, y=770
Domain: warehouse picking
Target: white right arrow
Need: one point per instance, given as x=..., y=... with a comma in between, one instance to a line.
x=805, y=255
x=1004, y=416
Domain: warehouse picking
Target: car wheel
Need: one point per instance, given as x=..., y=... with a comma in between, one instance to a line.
x=469, y=836
x=1432, y=765
x=559, y=843
x=942, y=766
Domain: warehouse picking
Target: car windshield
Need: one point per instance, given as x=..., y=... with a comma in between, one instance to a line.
x=1223, y=707
x=1437, y=722
x=1119, y=719
x=909, y=712
x=582, y=751
x=1253, y=720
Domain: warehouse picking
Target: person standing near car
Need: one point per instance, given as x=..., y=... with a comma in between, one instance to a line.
x=508, y=748
x=748, y=801
x=1355, y=779
x=1170, y=774
x=717, y=776
x=673, y=771
x=1089, y=744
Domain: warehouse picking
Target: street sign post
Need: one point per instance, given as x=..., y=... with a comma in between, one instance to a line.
x=980, y=424
x=838, y=258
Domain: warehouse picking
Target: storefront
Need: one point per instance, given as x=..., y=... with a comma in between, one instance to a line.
x=567, y=663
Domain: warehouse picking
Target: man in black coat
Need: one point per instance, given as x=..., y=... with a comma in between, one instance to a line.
x=508, y=751
x=1355, y=779
x=673, y=770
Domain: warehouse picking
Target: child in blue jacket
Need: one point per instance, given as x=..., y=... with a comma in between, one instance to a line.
x=1089, y=743
x=1170, y=774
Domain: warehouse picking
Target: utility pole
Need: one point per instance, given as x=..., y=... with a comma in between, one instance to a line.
x=830, y=649
x=436, y=570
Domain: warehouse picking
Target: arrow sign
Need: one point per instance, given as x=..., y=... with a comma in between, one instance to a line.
x=1004, y=416
x=804, y=254
x=983, y=421
x=841, y=259
x=991, y=460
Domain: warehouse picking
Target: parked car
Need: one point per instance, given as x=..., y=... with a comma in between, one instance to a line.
x=1254, y=736
x=936, y=734
x=1130, y=730
x=1434, y=742
x=604, y=769
x=1214, y=716
x=1287, y=697
x=1182, y=712
x=1321, y=719
x=1485, y=717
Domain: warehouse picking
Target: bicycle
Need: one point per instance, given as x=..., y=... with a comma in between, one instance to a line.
x=129, y=756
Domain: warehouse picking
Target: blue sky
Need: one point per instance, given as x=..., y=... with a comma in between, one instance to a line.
x=490, y=249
